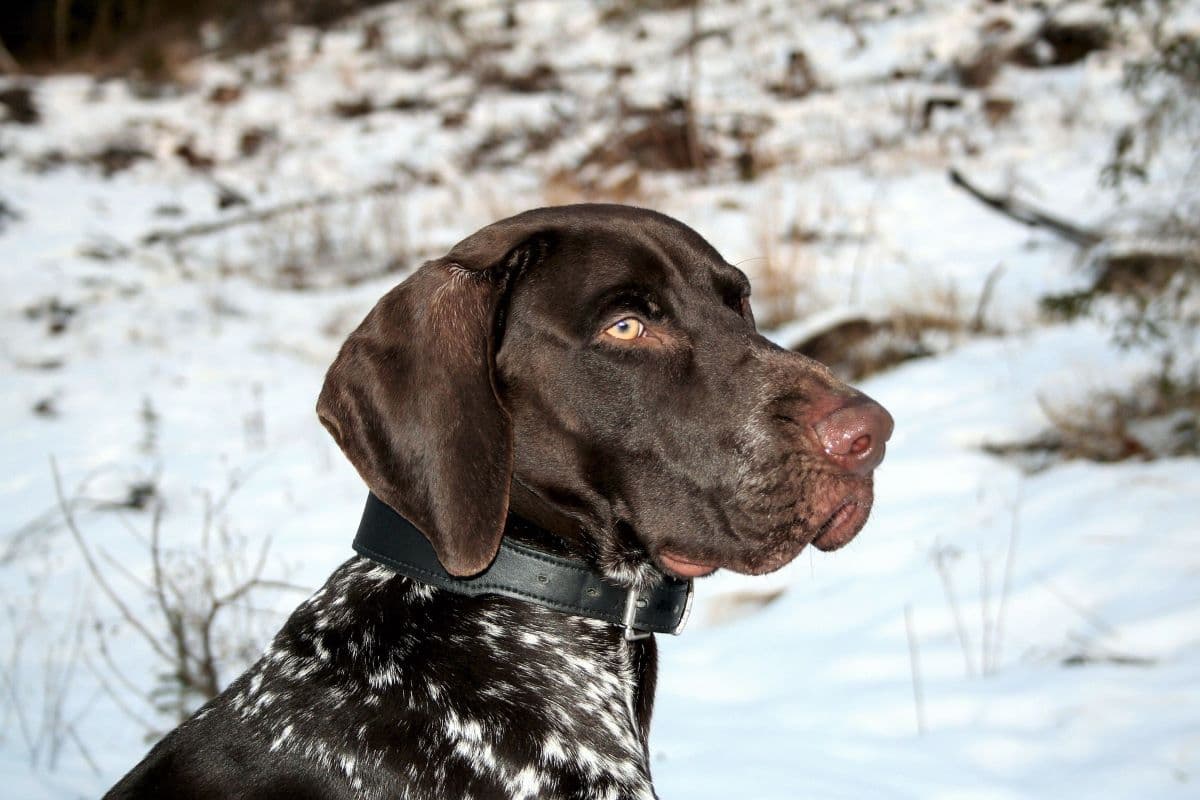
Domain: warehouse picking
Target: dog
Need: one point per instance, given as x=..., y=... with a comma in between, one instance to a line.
x=583, y=385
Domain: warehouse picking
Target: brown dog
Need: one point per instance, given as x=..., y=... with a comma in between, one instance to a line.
x=594, y=370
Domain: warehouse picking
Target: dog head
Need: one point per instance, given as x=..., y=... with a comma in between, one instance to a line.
x=597, y=368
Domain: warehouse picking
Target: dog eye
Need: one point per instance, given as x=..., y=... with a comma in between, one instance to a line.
x=626, y=329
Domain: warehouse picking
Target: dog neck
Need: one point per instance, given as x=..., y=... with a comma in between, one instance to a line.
x=553, y=529
x=527, y=573
x=594, y=533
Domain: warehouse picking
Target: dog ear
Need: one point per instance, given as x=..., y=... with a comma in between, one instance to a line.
x=412, y=402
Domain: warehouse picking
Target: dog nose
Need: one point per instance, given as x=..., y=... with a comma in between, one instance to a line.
x=853, y=436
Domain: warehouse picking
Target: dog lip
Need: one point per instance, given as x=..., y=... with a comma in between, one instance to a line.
x=842, y=525
x=683, y=568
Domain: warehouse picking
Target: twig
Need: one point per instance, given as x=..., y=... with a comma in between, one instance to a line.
x=47, y=522
x=83, y=751
x=124, y=571
x=57, y=676
x=173, y=616
x=186, y=603
x=94, y=569
x=1014, y=532
x=10, y=679
x=1092, y=619
x=44, y=523
x=985, y=611
x=695, y=147
x=115, y=696
x=1026, y=214
x=283, y=586
x=985, y=295
x=939, y=560
x=132, y=530
x=102, y=647
x=914, y=663
x=165, y=236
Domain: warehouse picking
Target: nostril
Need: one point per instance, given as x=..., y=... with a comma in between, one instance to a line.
x=853, y=436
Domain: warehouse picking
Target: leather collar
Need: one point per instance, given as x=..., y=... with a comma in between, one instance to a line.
x=526, y=573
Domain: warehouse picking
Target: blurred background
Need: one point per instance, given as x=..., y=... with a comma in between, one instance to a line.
x=983, y=213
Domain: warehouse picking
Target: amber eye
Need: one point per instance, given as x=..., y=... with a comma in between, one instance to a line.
x=626, y=329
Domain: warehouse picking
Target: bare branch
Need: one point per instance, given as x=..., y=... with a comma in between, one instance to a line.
x=164, y=236
x=116, y=672
x=282, y=586
x=124, y=570
x=1026, y=214
x=10, y=680
x=186, y=595
x=94, y=569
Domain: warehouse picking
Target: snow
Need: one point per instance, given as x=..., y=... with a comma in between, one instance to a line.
x=816, y=688
x=197, y=364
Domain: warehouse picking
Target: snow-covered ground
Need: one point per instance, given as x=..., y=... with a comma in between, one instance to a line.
x=1050, y=621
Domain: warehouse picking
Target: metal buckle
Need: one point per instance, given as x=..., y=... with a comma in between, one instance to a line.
x=687, y=609
x=633, y=603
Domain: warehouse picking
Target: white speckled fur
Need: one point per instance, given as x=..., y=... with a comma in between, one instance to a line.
x=584, y=725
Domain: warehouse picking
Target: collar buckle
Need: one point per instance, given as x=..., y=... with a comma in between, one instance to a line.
x=687, y=608
x=634, y=602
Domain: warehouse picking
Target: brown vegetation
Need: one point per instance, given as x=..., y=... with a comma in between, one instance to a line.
x=857, y=347
x=1157, y=418
x=148, y=38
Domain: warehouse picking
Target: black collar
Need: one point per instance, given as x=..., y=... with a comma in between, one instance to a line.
x=525, y=573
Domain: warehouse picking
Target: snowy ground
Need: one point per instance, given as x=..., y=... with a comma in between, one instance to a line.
x=1056, y=616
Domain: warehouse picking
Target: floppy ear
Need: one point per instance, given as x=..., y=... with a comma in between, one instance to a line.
x=411, y=400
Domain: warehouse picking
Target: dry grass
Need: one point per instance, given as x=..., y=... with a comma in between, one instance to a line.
x=782, y=272
x=1157, y=418
x=931, y=320
x=857, y=347
x=659, y=139
x=622, y=184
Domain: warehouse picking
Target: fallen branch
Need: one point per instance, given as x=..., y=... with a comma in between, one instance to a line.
x=173, y=236
x=1026, y=214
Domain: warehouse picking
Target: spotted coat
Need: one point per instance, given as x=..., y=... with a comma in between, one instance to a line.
x=382, y=687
